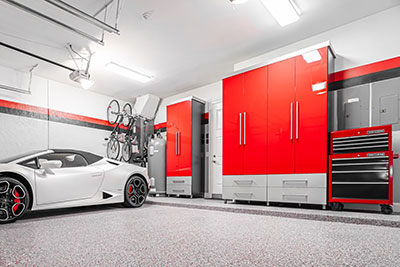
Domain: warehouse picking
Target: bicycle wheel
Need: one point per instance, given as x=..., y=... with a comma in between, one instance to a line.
x=127, y=150
x=126, y=110
x=113, y=148
x=113, y=110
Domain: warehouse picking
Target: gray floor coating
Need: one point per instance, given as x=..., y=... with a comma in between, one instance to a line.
x=306, y=212
x=157, y=235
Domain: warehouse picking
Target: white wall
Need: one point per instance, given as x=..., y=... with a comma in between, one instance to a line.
x=20, y=134
x=209, y=93
x=364, y=41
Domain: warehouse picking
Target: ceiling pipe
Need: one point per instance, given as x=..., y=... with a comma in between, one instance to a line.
x=82, y=15
x=59, y=23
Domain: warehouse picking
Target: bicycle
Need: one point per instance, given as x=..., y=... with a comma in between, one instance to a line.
x=114, y=116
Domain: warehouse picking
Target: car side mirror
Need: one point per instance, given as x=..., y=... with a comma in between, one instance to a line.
x=50, y=164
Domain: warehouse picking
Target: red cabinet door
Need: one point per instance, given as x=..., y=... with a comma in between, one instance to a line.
x=311, y=114
x=232, y=148
x=255, y=122
x=185, y=138
x=281, y=105
x=173, y=113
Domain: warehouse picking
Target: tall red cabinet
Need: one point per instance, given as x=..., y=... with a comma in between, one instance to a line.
x=286, y=138
x=184, y=157
x=245, y=136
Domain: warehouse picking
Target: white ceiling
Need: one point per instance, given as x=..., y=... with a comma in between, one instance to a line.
x=184, y=44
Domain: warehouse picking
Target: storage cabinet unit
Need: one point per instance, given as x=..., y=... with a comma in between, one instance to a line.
x=245, y=136
x=184, y=157
x=275, y=135
x=360, y=167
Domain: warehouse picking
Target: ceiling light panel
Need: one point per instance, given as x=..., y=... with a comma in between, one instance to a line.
x=284, y=11
x=312, y=56
x=238, y=2
x=129, y=73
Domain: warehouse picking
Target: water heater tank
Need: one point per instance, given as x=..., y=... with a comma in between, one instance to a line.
x=157, y=158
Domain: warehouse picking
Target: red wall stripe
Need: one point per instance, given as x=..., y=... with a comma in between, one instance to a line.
x=51, y=112
x=160, y=125
x=365, y=69
x=24, y=107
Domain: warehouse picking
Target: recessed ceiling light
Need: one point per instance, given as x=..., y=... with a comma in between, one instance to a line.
x=124, y=71
x=312, y=56
x=237, y=2
x=284, y=11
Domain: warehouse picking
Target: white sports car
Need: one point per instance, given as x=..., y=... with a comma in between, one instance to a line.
x=56, y=178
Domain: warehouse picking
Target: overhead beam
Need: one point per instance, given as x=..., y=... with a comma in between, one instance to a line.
x=54, y=21
x=102, y=8
x=36, y=56
x=82, y=15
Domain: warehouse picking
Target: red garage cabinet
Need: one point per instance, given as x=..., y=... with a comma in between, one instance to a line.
x=280, y=154
x=184, y=159
x=245, y=136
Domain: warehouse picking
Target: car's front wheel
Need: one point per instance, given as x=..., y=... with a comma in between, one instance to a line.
x=135, y=192
x=14, y=200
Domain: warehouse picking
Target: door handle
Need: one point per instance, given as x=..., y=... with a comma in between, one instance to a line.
x=176, y=143
x=244, y=130
x=240, y=129
x=97, y=175
x=297, y=120
x=291, y=120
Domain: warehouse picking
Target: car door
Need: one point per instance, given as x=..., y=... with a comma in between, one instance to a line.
x=73, y=180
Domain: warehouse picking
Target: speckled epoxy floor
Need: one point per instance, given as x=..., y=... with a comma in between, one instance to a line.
x=156, y=235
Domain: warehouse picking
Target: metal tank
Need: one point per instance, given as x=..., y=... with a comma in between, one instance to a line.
x=157, y=164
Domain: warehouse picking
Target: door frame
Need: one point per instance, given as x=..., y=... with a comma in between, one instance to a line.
x=211, y=145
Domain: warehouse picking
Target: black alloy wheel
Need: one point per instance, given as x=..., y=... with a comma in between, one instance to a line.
x=14, y=200
x=135, y=192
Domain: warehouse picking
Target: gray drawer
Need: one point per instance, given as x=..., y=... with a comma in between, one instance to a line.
x=244, y=193
x=186, y=180
x=297, y=195
x=297, y=180
x=245, y=180
x=179, y=189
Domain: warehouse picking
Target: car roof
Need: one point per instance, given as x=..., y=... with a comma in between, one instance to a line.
x=90, y=157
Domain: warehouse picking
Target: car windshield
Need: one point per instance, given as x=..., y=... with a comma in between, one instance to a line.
x=22, y=155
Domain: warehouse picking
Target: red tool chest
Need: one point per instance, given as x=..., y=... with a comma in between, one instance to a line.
x=361, y=167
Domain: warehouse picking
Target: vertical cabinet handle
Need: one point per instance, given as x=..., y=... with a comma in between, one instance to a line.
x=297, y=120
x=240, y=129
x=179, y=144
x=291, y=120
x=244, y=130
x=176, y=143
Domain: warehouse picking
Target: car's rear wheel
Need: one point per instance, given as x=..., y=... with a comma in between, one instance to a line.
x=135, y=192
x=14, y=200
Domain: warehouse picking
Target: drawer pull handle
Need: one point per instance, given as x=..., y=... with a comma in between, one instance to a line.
x=178, y=182
x=178, y=191
x=243, y=194
x=287, y=182
x=243, y=181
x=291, y=195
